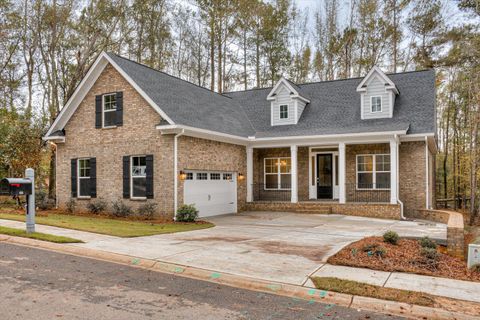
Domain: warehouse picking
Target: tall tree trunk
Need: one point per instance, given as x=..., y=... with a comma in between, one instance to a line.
x=212, y=52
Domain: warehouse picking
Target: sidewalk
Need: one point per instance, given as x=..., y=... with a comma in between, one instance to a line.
x=450, y=288
x=457, y=289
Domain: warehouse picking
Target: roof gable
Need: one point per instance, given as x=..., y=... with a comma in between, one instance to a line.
x=292, y=87
x=376, y=71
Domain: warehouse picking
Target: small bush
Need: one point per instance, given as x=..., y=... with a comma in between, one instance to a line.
x=369, y=247
x=475, y=268
x=391, y=237
x=97, y=206
x=120, y=209
x=380, y=252
x=187, y=213
x=426, y=242
x=430, y=253
x=147, y=210
x=71, y=205
x=42, y=201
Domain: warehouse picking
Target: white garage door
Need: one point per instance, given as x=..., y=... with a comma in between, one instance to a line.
x=212, y=193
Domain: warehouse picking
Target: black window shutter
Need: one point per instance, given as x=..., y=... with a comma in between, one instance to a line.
x=93, y=177
x=74, y=177
x=98, y=111
x=149, y=174
x=119, y=113
x=126, y=177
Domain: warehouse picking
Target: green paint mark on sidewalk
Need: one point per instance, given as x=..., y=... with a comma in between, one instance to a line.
x=215, y=275
x=311, y=292
x=135, y=261
x=178, y=270
x=323, y=294
x=274, y=287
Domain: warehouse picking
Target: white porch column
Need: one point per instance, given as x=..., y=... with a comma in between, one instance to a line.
x=294, y=175
x=393, y=171
x=249, y=174
x=341, y=173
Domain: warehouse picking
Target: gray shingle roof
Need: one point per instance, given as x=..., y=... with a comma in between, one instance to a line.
x=186, y=103
x=334, y=106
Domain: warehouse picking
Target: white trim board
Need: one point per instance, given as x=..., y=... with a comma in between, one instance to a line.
x=84, y=87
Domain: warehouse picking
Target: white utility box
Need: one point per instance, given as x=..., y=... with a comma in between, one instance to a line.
x=473, y=254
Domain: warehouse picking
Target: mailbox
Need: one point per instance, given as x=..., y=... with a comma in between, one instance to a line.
x=16, y=186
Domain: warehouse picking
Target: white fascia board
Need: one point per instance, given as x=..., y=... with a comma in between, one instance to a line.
x=377, y=70
x=301, y=98
x=58, y=139
x=84, y=87
x=416, y=136
x=80, y=92
x=139, y=90
x=204, y=134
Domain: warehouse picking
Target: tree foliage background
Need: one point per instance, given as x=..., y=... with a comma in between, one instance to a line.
x=47, y=46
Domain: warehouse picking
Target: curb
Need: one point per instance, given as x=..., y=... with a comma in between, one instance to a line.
x=288, y=290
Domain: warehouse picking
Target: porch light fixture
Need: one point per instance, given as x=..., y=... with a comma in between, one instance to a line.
x=240, y=176
x=183, y=175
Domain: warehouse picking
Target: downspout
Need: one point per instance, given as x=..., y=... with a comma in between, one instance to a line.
x=427, y=173
x=398, y=179
x=175, y=173
x=56, y=151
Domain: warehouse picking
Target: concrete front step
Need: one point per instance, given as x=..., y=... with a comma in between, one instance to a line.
x=321, y=210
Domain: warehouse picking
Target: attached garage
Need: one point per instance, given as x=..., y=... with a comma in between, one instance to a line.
x=212, y=193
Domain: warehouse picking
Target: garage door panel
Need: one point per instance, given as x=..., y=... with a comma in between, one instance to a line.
x=211, y=197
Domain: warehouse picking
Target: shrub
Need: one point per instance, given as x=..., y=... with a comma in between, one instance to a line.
x=380, y=252
x=390, y=237
x=120, y=209
x=369, y=247
x=187, y=213
x=426, y=242
x=147, y=210
x=475, y=268
x=43, y=202
x=97, y=206
x=430, y=253
x=71, y=205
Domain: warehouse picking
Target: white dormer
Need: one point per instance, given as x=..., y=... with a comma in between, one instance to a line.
x=287, y=104
x=378, y=94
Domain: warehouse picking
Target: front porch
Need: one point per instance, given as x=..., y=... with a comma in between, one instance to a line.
x=334, y=178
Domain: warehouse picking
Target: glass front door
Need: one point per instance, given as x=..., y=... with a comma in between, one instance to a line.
x=325, y=176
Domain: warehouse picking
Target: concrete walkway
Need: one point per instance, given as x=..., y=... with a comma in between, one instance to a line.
x=456, y=289
x=282, y=247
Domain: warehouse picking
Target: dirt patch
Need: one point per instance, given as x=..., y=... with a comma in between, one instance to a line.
x=223, y=239
x=404, y=257
x=314, y=253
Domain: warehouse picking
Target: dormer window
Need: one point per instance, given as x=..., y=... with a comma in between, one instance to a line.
x=284, y=111
x=376, y=104
x=109, y=110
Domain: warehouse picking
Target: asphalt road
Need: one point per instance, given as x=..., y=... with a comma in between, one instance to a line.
x=38, y=284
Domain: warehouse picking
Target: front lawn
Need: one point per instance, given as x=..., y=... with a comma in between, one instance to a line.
x=405, y=256
x=113, y=227
x=37, y=235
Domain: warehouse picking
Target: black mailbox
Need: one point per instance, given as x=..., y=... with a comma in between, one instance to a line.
x=16, y=186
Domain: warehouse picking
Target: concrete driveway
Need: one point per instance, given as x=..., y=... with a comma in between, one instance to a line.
x=283, y=247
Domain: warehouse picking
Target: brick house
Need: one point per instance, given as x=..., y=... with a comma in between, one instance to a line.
x=363, y=146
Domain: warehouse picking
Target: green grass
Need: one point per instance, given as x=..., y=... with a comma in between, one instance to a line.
x=372, y=291
x=113, y=227
x=37, y=235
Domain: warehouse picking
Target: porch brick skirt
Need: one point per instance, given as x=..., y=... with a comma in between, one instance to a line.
x=372, y=210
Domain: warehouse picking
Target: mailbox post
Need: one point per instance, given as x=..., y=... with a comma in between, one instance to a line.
x=23, y=186
x=30, y=174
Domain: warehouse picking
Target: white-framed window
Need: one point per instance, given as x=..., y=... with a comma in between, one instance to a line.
x=189, y=176
x=138, y=177
x=83, y=178
x=109, y=110
x=284, y=111
x=376, y=104
x=202, y=176
x=227, y=176
x=277, y=173
x=373, y=171
x=214, y=176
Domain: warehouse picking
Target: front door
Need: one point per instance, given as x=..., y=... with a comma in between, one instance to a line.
x=325, y=176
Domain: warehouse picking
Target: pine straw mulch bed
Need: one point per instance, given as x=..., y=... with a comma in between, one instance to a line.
x=403, y=257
